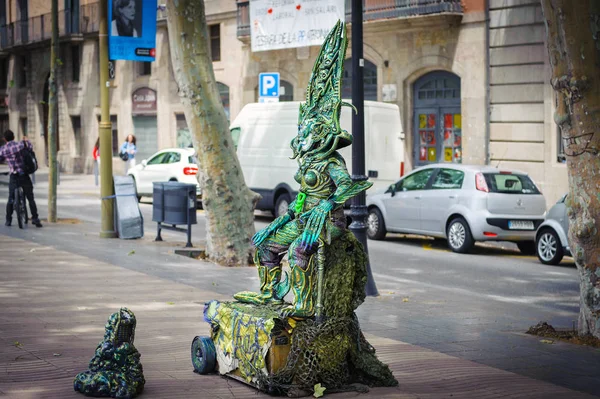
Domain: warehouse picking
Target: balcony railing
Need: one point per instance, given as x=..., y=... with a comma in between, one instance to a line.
x=372, y=10
x=39, y=28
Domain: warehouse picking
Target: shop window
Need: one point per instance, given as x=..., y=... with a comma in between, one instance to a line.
x=21, y=70
x=77, y=139
x=3, y=73
x=22, y=127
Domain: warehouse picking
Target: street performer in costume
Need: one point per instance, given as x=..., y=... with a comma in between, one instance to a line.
x=316, y=216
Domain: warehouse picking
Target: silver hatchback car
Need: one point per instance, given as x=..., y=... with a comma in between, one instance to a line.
x=462, y=204
x=552, y=242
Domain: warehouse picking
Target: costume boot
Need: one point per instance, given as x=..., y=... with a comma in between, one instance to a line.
x=304, y=294
x=271, y=288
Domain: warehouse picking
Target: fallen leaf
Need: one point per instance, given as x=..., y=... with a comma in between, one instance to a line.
x=57, y=354
x=319, y=390
x=32, y=250
x=17, y=344
x=215, y=284
x=170, y=303
x=547, y=341
x=391, y=293
x=131, y=252
x=404, y=299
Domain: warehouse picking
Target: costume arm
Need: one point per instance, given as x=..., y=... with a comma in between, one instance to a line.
x=346, y=188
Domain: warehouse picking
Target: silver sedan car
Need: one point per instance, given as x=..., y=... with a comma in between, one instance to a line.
x=462, y=204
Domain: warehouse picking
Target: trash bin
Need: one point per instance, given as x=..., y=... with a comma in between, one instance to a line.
x=174, y=204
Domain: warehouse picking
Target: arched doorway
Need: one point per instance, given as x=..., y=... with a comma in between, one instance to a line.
x=369, y=78
x=437, y=134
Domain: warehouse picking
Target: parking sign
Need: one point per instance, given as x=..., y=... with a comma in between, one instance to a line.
x=268, y=85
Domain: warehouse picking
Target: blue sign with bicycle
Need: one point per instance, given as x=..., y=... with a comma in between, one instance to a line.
x=132, y=30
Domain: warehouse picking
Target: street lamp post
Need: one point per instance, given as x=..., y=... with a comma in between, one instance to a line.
x=358, y=209
x=106, y=176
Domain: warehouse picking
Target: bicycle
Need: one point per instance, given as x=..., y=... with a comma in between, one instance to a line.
x=20, y=206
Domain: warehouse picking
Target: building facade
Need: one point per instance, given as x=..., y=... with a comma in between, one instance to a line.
x=470, y=78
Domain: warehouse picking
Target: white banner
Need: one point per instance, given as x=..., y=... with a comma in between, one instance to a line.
x=278, y=24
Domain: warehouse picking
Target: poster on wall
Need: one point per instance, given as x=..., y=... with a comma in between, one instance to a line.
x=279, y=24
x=131, y=30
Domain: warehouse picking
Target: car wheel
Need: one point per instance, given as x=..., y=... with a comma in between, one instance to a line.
x=459, y=236
x=548, y=247
x=375, y=225
x=282, y=205
x=527, y=247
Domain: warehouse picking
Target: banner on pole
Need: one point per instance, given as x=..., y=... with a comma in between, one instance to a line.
x=132, y=30
x=280, y=24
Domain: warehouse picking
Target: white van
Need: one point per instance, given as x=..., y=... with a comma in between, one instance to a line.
x=263, y=131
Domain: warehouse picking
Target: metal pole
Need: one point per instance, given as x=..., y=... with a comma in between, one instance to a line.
x=53, y=117
x=358, y=209
x=106, y=181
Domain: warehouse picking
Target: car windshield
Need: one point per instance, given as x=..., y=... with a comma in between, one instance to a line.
x=508, y=183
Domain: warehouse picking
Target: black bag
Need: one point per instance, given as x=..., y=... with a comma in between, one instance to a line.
x=30, y=161
x=124, y=156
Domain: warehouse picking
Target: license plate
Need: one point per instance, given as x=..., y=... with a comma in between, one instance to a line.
x=520, y=225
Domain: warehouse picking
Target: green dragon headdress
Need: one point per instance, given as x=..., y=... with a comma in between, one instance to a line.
x=319, y=132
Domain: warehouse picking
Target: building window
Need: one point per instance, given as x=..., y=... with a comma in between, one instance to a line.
x=560, y=147
x=77, y=139
x=369, y=77
x=75, y=63
x=224, y=93
x=145, y=68
x=215, y=42
x=286, y=91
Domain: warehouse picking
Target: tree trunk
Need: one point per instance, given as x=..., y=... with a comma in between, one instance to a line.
x=52, y=116
x=573, y=29
x=228, y=202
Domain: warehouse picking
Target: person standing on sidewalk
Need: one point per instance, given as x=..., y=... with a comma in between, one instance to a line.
x=13, y=154
x=130, y=149
x=96, y=156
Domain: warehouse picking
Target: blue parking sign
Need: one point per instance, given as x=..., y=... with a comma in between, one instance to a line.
x=268, y=84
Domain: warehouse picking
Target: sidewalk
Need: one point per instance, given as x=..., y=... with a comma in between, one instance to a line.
x=55, y=304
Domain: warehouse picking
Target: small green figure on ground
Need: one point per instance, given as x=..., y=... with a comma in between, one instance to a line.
x=115, y=370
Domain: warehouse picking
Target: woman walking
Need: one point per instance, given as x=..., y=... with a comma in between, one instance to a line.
x=130, y=150
x=96, y=156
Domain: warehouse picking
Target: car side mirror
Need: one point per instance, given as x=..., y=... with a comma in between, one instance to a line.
x=391, y=189
x=144, y=163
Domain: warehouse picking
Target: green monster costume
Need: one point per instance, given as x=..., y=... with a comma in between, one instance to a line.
x=316, y=216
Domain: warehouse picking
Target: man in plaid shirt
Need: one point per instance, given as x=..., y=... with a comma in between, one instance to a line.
x=12, y=153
